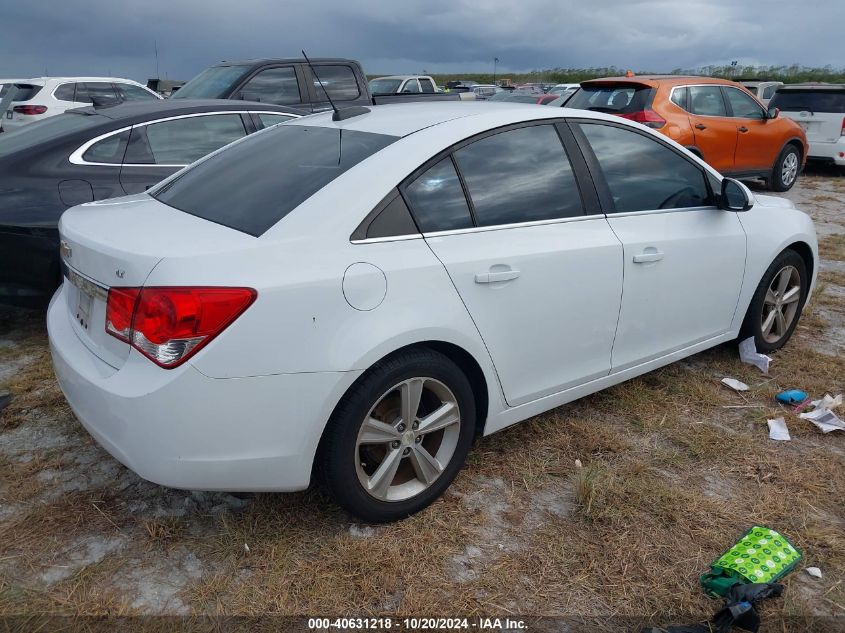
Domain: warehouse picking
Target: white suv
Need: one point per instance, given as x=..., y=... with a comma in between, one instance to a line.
x=44, y=97
x=819, y=108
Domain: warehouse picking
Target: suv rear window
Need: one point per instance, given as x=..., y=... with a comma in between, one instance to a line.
x=281, y=168
x=814, y=100
x=26, y=92
x=621, y=98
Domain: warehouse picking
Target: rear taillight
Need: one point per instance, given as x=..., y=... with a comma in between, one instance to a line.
x=168, y=325
x=30, y=109
x=842, y=131
x=649, y=118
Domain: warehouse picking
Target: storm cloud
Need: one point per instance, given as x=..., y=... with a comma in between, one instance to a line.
x=97, y=37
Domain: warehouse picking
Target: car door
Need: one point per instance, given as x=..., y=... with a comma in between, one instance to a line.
x=683, y=258
x=757, y=145
x=533, y=260
x=160, y=148
x=715, y=134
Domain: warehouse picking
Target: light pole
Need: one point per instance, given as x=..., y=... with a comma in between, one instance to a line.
x=495, y=61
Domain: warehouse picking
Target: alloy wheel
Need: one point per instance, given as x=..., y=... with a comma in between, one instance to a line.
x=789, y=170
x=780, y=306
x=407, y=439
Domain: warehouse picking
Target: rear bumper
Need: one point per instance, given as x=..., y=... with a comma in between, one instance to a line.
x=182, y=429
x=828, y=152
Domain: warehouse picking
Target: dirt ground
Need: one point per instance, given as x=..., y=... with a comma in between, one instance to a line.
x=608, y=507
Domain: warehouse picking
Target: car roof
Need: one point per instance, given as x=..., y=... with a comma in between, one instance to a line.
x=284, y=60
x=812, y=85
x=173, y=107
x=45, y=80
x=655, y=80
x=407, y=118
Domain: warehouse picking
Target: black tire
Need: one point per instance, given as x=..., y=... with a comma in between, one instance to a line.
x=778, y=181
x=339, y=456
x=753, y=322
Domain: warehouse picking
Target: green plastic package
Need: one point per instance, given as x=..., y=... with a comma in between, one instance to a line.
x=760, y=556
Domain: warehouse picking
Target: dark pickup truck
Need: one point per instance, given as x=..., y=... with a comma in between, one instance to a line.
x=291, y=82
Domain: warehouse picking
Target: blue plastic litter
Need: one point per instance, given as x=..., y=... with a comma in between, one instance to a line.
x=791, y=396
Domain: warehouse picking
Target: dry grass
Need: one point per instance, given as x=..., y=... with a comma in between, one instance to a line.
x=833, y=247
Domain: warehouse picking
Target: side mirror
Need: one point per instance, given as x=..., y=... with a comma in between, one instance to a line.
x=734, y=196
x=773, y=113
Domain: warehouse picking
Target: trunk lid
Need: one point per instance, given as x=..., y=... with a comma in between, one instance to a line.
x=117, y=243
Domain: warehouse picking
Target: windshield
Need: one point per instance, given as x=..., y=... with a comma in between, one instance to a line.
x=52, y=128
x=212, y=83
x=811, y=100
x=254, y=183
x=613, y=98
x=385, y=86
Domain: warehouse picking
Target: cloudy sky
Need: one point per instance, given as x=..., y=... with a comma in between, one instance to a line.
x=99, y=37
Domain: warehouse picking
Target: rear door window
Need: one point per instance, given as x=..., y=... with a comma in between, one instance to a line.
x=769, y=91
x=612, y=98
x=427, y=85
x=743, y=106
x=340, y=82
x=272, y=119
x=182, y=141
x=437, y=199
x=642, y=174
x=274, y=85
x=110, y=150
x=521, y=175
x=707, y=101
x=65, y=92
x=252, y=185
x=810, y=100
x=90, y=90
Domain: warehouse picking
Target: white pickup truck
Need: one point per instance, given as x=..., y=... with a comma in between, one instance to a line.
x=402, y=84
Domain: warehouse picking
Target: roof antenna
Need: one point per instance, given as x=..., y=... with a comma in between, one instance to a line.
x=339, y=115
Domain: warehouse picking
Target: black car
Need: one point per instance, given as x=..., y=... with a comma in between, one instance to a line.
x=96, y=153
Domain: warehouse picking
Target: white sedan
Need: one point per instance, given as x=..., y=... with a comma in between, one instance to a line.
x=357, y=299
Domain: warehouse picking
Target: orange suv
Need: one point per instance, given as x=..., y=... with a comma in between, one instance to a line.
x=718, y=120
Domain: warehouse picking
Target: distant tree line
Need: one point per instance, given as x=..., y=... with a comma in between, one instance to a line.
x=787, y=74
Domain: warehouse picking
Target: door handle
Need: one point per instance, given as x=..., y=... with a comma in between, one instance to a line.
x=648, y=255
x=700, y=126
x=743, y=129
x=489, y=278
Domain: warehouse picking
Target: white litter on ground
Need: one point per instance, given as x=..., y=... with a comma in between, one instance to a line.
x=815, y=572
x=748, y=354
x=823, y=417
x=733, y=383
x=778, y=430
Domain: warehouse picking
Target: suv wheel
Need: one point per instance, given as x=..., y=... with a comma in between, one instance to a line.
x=399, y=437
x=786, y=169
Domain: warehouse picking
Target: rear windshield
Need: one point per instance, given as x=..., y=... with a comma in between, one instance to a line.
x=212, y=83
x=256, y=182
x=50, y=129
x=26, y=92
x=612, y=98
x=812, y=100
